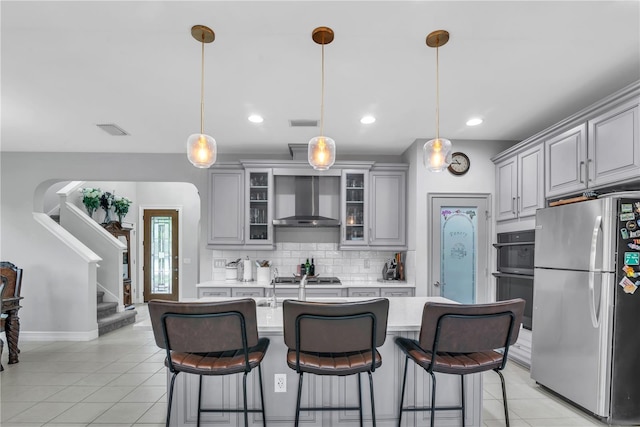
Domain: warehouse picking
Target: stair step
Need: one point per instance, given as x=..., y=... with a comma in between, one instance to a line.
x=116, y=321
x=100, y=296
x=106, y=308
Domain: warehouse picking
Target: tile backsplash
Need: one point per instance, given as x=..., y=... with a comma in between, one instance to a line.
x=349, y=265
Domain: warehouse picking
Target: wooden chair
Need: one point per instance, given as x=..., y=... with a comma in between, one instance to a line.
x=462, y=339
x=3, y=282
x=335, y=339
x=211, y=338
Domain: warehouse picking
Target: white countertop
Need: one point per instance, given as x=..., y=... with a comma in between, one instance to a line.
x=343, y=284
x=405, y=313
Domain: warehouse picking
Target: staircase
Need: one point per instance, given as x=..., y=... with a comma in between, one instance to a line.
x=110, y=320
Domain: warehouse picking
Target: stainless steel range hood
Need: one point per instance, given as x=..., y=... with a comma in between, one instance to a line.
x=306, y=206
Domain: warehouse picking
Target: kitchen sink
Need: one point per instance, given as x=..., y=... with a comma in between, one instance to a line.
x=267, y=301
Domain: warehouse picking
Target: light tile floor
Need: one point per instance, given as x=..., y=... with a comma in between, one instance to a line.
x=119, y=380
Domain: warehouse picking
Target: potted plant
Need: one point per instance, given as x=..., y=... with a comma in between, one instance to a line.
x=91, y=199
x=121, y=206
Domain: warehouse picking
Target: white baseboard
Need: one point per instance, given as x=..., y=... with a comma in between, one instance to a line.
x=58, y=336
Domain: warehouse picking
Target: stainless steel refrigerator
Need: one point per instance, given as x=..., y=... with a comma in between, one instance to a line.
x=586, y=309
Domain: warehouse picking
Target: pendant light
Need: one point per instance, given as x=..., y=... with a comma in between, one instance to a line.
x=201, y=148
x=322, y=150
x=437, y=152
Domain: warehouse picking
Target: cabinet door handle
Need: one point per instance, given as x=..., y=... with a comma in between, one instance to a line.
x=589, y=175
x=513, y=205
x=580, y=172
x=519, y=204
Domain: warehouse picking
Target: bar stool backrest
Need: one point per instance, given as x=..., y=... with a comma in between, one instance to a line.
x=203, y=334
x=13, y=274
x=467, y=328
x=323, y=335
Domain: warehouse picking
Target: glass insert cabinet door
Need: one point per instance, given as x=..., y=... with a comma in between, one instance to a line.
x=458, y=253
x=259, y=194
x=161, y=266
x=354, y=208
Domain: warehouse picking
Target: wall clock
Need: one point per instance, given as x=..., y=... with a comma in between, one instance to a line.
x=459, y=164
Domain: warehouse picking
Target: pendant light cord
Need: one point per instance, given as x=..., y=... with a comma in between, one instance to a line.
x=322, y=94
x=437, y=94
x=202, y=90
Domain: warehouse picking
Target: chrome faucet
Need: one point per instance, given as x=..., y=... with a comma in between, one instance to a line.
x=274, y=302
x=301, y=289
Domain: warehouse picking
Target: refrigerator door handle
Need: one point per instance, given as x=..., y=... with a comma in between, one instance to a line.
x=595, y=318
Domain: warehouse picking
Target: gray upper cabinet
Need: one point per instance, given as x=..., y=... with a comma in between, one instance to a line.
x=520, y=184
x=259, y=206
x=354, y=208
x=387, y=218
x=602, y=151
x=566, y=162
x=614, y=145
x=226, y=207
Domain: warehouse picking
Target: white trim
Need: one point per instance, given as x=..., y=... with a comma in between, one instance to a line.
x=58, y=335
x=69, y=188
x=67, y=238
x=100, y=230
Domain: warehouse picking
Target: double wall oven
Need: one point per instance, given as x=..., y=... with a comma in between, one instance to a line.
x=514, y=276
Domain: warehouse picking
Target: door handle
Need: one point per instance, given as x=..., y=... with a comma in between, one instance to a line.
x=595, y=318
x=437, y=284
x=588, y=169
x=513, y=205
x=580, y=172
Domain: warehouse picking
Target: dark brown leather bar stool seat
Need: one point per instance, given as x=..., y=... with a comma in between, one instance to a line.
x=212, y=338
x=335, y=339
x=462, y=339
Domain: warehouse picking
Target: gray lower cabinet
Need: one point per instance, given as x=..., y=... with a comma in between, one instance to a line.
x=397, y=292
x=226, y=207
x=214, y=292
x=364, y=292
x=247, y=292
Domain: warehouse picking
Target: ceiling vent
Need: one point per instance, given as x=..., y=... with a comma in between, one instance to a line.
x=303, y=123
x=113, y=129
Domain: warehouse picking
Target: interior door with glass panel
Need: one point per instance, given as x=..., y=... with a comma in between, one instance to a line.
x=161, y=258
x=458, y=247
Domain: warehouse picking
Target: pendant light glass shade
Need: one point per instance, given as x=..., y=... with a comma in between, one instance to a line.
x=437, y=152
x=321, y=153
x=202, y=150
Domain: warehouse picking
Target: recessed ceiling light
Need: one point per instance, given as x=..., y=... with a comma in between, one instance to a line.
x=367, y=120
x=474, y=122
x=254, y=118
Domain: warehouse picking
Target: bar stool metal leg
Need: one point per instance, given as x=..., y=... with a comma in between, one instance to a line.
x=433, y=398
x=264, y=416
x=173, y=380
x=462, y=397
x=298, y=403
x=404, y=383
x=360, y=399
x=244, y=394
x=504, y=397
x=373, y=406
x=199, y=400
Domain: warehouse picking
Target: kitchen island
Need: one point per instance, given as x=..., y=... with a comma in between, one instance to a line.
x=404, y=320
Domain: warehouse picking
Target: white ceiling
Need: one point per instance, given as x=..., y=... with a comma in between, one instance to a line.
x=521, y=66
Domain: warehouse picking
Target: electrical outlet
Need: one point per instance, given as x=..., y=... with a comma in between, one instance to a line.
x=280, y=383
x=219, y=263
x=367, y=264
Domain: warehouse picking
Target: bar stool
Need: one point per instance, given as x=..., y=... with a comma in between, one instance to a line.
x=335, y=339
x=212, y=338
x=462, y=339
